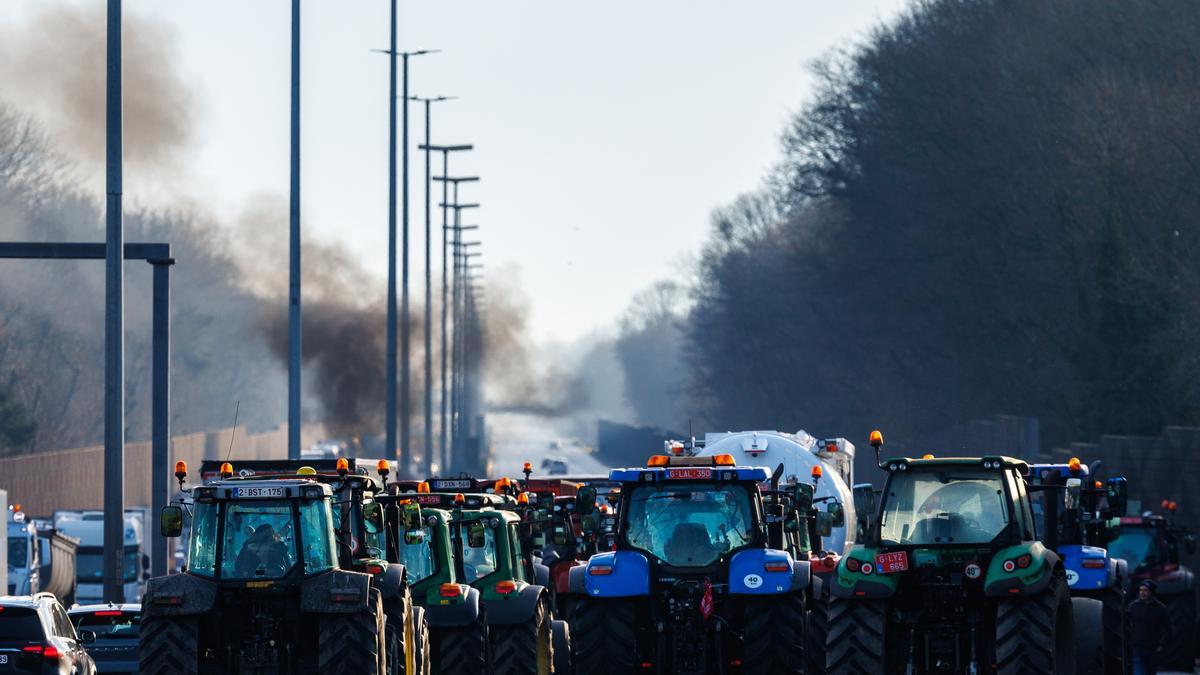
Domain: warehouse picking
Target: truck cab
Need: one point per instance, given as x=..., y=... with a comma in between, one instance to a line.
x=88, y=528
x=23, y=554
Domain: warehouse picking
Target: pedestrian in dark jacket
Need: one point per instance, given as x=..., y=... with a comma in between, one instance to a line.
x=1151, y=624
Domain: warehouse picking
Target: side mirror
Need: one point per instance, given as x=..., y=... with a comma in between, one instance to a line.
x=864, y=500
x=372, y=517
x=477, y=535
x=585, y=500
x=87, y=637
x=411, y=515
x=170, y=521
x=837, y=514
x=824, y=524
x=1117, y=490
x=414, y=537
x=802, y=495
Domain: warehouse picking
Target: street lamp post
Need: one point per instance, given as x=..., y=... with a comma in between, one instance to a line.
x=428, y=407
x=447, y=229
x=394, y=448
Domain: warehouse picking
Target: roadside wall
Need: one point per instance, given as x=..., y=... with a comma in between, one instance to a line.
x=73, y=479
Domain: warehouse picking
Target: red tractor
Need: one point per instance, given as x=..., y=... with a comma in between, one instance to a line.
x=1150, y=544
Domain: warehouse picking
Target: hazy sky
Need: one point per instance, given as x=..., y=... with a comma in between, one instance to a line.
x=605, y=133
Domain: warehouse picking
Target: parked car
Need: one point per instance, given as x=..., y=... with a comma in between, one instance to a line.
x=37, y=636
x=116, y=627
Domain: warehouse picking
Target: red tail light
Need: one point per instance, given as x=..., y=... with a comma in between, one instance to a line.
x=109, y=612
x=829, y=562
x=852, y=564
x=47, y=652
x=1024, y=561
x=1093, y=563
x=600, y=570
x=375, y=569
x=506, y=587
x=776, y=566
x=449, y=590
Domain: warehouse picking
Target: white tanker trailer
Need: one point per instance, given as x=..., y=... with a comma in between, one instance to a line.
x=798, y=453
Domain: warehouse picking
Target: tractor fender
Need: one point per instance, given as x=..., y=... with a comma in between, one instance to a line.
x=514, y=608
x=561, y=576
x=802, y=576
x=391, y=582
x=627, y=574
x=541, y=573
x=335, y=592
x=1029, y=580
x=462, y=613
x=749, y=574
x=179, y=595
x=575, y=577
x=1179, y=581
x=1081, y=577
x=1120, y=575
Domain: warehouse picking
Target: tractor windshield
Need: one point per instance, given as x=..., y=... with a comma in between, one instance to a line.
x=945, y=505
x=1137, y=546
x=259, y=538
x=689, y=524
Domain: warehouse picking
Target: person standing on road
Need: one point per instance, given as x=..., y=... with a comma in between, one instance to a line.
x=1151, y=624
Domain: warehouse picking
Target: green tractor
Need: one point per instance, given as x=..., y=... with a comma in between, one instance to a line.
x=951, y=578
x=484, y=614
x=263, y=591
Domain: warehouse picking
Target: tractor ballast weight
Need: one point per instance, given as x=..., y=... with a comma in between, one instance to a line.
x=671, y=598
x=952, y=578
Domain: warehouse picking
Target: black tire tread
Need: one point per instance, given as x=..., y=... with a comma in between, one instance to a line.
x=1116, y=633
x=816, y=630
x=169, y=645
x=774, y=635
x=515, y=646
x=462, y=650
x=1025, y=631
x=562, y=647
x=424, y=654
x=603, y=636
x=855, y=637
x=353, y=644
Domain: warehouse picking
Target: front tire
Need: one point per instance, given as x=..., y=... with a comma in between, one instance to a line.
x=604, y=636
x=816, y=629
x=462, y=650
x=774, y=635
x=1034, y=635
x=421, y=652
x=562, y=648
x=524, y=648
x=353, y=643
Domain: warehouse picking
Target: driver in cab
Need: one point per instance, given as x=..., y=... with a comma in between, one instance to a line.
x=263, y=554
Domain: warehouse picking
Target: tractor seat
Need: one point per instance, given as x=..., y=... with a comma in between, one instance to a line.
x=690, y=543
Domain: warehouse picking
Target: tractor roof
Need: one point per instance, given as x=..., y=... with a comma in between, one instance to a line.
x=931, y=462
x=282, y=488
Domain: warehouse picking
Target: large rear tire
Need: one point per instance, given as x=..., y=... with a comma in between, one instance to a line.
x=1179, y=652
x=355, y=643
x=816, y=629
x=856, y=637
x=401, y=635
x=524, y=648
x=562, y=648
x=169, y=644
x=422, y=656
x=1089, y=634
x=462, y=650
x=1034, y=635
x=1117, y=658
x=774, y=635
x=604, y=636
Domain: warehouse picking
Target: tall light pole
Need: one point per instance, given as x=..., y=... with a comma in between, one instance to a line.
x=114, y=324
x=457, y=229
x=429, y=281
x=446, y=180
x=396, y=449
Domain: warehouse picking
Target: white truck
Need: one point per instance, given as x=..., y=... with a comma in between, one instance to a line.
x=23, y=561
x=801, y=455
x=88, y=528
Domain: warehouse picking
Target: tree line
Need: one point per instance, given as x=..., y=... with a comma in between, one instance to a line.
x=987, y=206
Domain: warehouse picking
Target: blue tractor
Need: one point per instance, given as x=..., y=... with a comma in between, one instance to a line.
x=700, y=580
x=1078, y=517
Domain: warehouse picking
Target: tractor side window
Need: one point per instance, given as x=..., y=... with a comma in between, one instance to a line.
x=417, y=556
x=479, y=551
x=1025, y=519
x=518, y=556
x=202, y=548
x=259, y=540
x=320, y=551
x=1137, y=545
